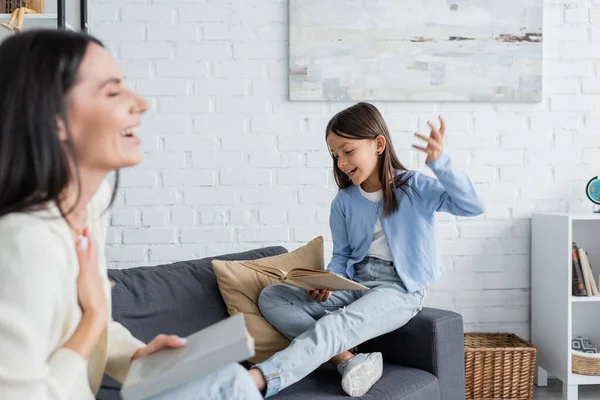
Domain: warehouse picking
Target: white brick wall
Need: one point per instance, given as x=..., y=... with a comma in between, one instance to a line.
x=232, y=165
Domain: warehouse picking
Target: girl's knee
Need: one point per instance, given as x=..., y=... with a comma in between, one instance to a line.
x=268, y=298
x=272, y=295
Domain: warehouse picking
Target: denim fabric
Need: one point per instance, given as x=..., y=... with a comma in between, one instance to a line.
x=320, y=331
x=232, y=382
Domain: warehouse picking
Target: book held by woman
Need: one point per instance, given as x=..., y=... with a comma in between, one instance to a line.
x=206, y=351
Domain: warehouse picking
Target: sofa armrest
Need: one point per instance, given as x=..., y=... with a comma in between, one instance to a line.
x=432, y=341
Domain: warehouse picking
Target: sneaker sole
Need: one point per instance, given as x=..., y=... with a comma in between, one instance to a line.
x=359, y=380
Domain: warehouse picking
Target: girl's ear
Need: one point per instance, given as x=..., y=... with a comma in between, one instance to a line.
x=380, y=144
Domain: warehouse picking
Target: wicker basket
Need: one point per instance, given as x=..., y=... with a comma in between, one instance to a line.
x=498, y=366
x=585, y=364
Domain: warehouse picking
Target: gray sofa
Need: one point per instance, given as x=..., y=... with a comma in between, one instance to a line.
x=424, y=360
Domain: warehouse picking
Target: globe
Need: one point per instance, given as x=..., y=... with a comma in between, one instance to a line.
x=593, y=190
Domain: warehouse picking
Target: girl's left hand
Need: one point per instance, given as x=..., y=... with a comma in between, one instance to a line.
x=158, y=343
x=320, y=296
x=435, y=141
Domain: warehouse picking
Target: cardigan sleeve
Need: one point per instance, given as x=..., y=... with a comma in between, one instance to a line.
x=452, y=191
x=339, y=233
x=31, y=280
x=121, y=347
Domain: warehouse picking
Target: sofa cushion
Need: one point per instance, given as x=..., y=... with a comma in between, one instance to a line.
x=397, y=383
x=179, y=298
x=240, y=287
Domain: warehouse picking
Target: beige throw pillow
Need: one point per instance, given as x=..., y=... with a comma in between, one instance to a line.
x=240, y=287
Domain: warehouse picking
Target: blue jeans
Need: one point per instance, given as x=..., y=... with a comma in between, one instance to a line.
x=232, y=382
x=320, y=331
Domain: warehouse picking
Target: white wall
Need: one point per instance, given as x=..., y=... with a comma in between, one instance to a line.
x=232, y=165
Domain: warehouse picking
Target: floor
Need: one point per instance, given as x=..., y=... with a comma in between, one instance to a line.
x=554, y=391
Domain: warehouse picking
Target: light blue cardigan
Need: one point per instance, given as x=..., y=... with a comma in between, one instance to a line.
x=410, y=231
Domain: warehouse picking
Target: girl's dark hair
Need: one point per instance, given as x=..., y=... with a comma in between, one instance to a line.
x=37, y=70
x=364, y=121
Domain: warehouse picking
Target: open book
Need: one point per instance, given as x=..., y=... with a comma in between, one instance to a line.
x=307, y=278
x=206, y=351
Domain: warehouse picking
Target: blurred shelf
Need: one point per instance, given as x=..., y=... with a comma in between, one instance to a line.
x=583, y=299
x=578, y=379
x=33, y=21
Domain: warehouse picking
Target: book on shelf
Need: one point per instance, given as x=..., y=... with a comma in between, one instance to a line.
x=578, y=279
x=588, y=274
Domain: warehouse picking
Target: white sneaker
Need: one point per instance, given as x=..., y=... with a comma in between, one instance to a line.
x=360, y=373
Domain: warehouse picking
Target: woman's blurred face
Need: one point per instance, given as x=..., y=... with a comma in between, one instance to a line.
x=104, y=114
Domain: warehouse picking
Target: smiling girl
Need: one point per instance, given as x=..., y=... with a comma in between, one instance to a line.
x=383, y=228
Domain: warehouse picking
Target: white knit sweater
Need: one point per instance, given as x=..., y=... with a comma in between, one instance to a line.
x=39, y=310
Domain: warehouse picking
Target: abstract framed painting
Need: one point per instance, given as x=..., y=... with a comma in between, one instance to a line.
x=416, y=50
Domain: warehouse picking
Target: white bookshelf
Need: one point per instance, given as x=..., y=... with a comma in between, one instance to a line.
x=556, y=315
x=32, y=21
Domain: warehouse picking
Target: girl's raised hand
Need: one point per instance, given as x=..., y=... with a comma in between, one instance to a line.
x=435, y=141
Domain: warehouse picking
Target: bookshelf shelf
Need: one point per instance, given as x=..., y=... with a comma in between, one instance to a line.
x=581, y=299
x=585, y=379
x=33, y=16
x=557, y=315
x=578, y=216
x=33, y=21
x=69, y=14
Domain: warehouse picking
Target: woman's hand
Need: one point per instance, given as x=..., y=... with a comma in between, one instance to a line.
x=158, y=343
x=90, y=286
x=435, y=141
x=91, y=297
x=320, y=295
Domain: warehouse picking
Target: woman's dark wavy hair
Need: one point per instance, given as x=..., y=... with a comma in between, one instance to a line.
x=364, y=121
x=37, y=70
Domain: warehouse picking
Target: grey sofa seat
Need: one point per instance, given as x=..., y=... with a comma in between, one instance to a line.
x=397, y=382
x=424, y=359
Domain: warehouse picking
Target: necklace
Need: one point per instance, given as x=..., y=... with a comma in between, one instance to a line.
x=81, y=240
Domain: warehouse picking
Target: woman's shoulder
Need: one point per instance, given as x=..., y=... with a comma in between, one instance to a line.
x=32, y=235
x=43, y=221
x=47, y=219
x=35, y=258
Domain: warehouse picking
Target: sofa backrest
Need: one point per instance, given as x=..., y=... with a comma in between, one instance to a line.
x=179, y=298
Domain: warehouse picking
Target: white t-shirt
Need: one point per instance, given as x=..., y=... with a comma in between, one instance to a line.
x=379, y=248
